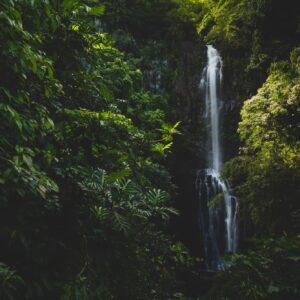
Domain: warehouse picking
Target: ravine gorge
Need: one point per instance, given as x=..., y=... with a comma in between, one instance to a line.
x=149, y=150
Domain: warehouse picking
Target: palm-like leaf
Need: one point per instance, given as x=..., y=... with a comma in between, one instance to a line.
x=156, y=197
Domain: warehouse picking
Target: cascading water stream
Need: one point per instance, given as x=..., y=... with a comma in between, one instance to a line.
x=218, y=208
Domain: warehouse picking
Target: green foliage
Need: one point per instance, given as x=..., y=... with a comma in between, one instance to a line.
x=266, y=174
x=216, y=200
x=230, y=21
x=257, y=58
x=253, y=36
x=269, y=271
x=10, y=282
x=72, y=106
x=189, y=11
x=85, y=197
x=118, y=203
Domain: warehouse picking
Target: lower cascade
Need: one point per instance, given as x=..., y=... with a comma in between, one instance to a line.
x=218, y=209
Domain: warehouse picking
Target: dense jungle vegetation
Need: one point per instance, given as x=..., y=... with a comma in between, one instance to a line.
x=97, y=100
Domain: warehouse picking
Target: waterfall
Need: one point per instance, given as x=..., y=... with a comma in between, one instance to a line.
x=217, y=207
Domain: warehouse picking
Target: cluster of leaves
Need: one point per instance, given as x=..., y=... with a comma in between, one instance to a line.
x=10, y=282
x=230, y=21
x=266, y=174
x=151, y=33
x=248, y=26
x=265, y=272
x=71, y=106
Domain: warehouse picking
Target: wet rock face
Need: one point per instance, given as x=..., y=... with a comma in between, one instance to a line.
x=188, y=102
x=186, y=94
x=189, y=148
x=238, y=86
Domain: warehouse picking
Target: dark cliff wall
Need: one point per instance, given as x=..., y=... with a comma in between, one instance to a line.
x=189, y=148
